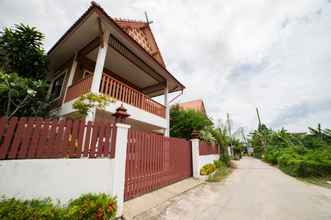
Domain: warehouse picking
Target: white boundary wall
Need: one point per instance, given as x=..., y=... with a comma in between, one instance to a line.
x=199, y=160
x=59, y=179
x=65, y=179
x=204, y=159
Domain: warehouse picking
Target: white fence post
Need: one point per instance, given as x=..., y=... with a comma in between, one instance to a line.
x=119, y=166
x=120, y=158
x=195, y=154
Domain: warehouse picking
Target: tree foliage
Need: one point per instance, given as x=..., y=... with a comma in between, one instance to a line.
x=21, y=52
x=23, y=68
x=22, y=96
x=184, y=122
x=86, y=102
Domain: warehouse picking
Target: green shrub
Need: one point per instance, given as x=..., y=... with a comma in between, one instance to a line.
x=271, y=155
x=295, y=162
x=29, y=209
x=207, y=169
x=225, y=158
x=221, y=172
x=91, y=207
x=218, y=163
x=88, y=206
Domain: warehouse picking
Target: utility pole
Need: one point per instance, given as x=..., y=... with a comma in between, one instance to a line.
x=229, y=130
x=243, y=135
x=229, y=125
x=258, y=117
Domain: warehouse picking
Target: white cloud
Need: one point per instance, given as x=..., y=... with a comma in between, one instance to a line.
x=235, y=55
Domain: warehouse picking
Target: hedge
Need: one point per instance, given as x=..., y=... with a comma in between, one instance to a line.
x=301, y=162
x=88, y=206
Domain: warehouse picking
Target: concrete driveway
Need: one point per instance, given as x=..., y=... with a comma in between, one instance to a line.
x=254, y=190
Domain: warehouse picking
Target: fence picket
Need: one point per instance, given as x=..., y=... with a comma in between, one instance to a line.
x=3, y=124
x=8, y=137
x=35, y=139
x=18, y=138
x=23, y=153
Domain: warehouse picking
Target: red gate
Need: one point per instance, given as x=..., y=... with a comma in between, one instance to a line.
x=154, y=161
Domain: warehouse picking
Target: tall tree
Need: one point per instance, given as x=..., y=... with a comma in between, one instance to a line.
x=184, y=122
x=23, y=69
x=21, y=52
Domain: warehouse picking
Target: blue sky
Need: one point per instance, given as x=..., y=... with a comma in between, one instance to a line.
x=235, y=55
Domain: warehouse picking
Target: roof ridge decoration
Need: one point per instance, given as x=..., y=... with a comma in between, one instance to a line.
x=127, y=20
x=141, y=32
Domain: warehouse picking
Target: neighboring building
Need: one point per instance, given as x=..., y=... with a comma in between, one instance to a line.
x=116, y=57
x=196, y=105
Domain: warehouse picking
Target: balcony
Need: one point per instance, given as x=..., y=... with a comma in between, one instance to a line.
x=119, y=91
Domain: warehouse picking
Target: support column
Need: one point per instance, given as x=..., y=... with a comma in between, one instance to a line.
x=120, y=158
x=91, y=114
x=71, y=75
x=100, y=62
x=195, y=154
x=167, y=112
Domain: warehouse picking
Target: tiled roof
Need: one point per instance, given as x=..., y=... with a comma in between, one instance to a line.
x=196, y=105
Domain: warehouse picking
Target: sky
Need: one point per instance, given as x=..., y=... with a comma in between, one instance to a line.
x=236, y=55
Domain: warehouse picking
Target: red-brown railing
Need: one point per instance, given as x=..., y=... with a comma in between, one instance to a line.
x=79, y=88
x=154, y=161
x=29, y=138
x=127, y=94
x=207, y=148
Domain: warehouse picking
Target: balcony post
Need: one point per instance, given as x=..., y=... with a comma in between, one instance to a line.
x=100, y=62
x=71, y=76
x=167, y=112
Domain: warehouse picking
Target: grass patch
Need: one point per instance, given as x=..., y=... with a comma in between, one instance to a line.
x=320, y=181
x=220, y=174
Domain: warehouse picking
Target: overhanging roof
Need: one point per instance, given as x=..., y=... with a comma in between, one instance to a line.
x=86, y=29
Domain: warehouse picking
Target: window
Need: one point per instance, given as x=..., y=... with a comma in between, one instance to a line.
x=57, y=86
x=87, y=74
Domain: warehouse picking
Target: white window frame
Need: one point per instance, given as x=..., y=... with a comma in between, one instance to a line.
x=64, y=72
x=87, y=72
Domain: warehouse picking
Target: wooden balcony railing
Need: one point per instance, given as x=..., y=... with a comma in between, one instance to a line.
x=79, y=88
x=129, y=95
x=119, y=91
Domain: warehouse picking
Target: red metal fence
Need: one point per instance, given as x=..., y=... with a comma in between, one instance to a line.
x=28, y=138
x=154, y=161
x=207, y=148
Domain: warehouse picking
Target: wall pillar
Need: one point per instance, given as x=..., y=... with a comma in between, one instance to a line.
x=100, y=62
x=167, y=112
x=195, y=155
x=121, y=142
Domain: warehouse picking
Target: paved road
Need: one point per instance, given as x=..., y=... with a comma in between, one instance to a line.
x=254, y=190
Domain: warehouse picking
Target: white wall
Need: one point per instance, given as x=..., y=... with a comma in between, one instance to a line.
x=61, y=179
x=204, y=159
x=135, y=113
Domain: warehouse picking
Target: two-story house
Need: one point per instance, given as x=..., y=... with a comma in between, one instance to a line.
x=115, y=57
